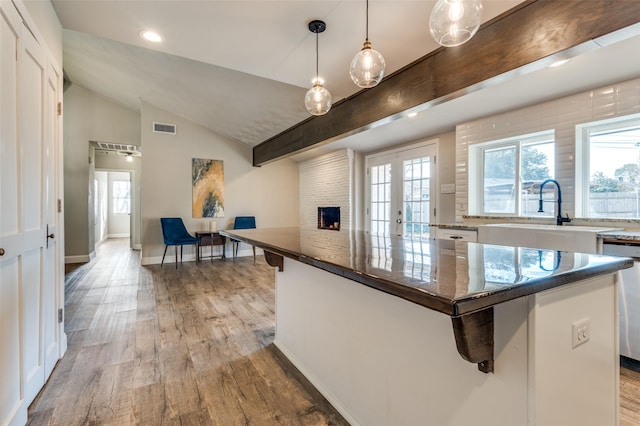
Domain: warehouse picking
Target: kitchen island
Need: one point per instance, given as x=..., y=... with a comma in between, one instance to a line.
x=401, y=331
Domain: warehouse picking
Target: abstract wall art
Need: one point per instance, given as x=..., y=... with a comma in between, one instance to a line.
x=207, y=180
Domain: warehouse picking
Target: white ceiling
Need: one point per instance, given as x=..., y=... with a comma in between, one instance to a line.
x=242, y=67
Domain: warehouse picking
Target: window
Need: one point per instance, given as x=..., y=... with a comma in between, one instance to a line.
x=121, y=197
x=610, y=168
x=508, y=180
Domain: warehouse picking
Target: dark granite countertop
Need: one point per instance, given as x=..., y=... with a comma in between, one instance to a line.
x=452, y=277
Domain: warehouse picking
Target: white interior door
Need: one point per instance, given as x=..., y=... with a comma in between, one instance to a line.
x=11, y=246
x=400, y=189
x=50, y=294
x=31, y=90
x=31, y=288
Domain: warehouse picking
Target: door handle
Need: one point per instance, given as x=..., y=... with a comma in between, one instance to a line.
x=49, y=235
x=1, y=251
x=398, y=220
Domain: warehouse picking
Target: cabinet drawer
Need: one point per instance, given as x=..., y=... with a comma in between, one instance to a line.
x=456, y=234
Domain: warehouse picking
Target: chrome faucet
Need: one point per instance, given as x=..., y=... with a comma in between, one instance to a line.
x=559, y=219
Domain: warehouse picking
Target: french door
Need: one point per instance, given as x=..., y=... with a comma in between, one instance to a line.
x=400, y=188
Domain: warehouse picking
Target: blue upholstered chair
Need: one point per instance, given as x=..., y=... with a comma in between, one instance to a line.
x=175, y=234
x=243, y=222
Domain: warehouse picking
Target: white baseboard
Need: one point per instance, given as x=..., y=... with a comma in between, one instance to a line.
x=170, y=258
x=245, y=252
x=125, y=235
x=137, y=246
x=78, y=259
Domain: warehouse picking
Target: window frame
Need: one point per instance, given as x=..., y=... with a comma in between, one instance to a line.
x=583, y=159
x=477, y=168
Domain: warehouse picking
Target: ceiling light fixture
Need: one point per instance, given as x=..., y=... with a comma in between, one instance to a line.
x=150, y=36
x=367, y=67
x=318, y=99
x=454, y=22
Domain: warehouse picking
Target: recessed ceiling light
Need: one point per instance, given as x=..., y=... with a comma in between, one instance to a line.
x=150, y=36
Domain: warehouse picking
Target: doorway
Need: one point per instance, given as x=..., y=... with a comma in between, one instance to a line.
x=112, y=205
x=400, y=185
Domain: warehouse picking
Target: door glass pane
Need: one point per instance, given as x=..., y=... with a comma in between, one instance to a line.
x=499, y=180
x=380, y=207
x=416, y=197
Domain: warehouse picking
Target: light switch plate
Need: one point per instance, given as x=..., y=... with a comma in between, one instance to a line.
x=448, y=188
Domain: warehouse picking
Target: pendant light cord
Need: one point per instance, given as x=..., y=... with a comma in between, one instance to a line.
x=367, y=25
x=317, y=59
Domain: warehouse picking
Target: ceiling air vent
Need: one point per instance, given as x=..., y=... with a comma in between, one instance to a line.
x=164, y=128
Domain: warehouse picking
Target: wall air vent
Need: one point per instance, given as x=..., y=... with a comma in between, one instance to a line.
x=164, y=128
x=110, y=146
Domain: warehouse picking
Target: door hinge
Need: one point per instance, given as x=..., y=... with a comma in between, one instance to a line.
x=60, y=315
x=59, y=205
x=434, y=211
x=59, y=108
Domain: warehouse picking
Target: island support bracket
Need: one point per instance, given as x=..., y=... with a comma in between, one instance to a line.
x=274, y=260
x=474, y=338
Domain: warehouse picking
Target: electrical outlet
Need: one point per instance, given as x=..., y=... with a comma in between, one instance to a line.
x=580, y=332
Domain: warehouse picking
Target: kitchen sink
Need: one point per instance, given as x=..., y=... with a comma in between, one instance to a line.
x=582, y=239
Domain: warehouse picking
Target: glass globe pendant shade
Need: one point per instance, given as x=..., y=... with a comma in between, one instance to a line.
x=454, y=22
x=318, y=100
x=367, y=67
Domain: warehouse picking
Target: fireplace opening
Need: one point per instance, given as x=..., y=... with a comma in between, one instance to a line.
x=329, y=218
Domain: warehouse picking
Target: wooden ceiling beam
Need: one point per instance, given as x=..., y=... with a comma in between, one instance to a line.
x=531, y=31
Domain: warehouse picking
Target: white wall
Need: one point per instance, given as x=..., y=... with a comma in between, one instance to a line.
x=561, y=115
x=326, y=181
x=446, y=169
x=88, y=117
x=43, y=21
x=269, y=192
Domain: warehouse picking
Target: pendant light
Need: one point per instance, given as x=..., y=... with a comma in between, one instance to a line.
x=454, y=22
x=318, y=99
x=367, y=67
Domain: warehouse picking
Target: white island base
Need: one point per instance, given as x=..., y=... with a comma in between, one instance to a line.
x=381, y=360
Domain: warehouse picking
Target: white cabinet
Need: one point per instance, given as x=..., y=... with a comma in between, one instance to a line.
x=456, y=234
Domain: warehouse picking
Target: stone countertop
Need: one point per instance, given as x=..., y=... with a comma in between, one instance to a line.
x=621, y=236
x=457, y=226
x=452, y=277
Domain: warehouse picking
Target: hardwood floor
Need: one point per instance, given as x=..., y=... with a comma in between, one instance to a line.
x=193, y=346
x=151, y=345
x=629, y=397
